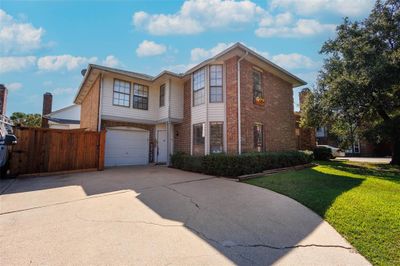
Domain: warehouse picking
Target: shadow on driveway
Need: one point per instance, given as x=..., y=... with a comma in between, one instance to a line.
x=246, y=224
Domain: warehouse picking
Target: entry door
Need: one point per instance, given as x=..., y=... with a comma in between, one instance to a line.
x=162, y=146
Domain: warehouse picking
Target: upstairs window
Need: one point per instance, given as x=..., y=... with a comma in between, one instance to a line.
x=258, y=95
x=216, y=94
x=198, y=87
x=121, y=93
x=140, y=97
x=198, y=134
x=162, y=95
x=258, y=137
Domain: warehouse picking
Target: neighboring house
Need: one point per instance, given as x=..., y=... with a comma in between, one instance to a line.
x=234, y=102
x=360, y=147
x=65, y=118
x=305, y=135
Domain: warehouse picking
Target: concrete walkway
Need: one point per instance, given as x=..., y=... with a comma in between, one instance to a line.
x=159, y=216
x=383, y=160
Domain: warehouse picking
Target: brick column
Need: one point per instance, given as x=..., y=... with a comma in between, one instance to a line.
x=231, y=106
x=3, y=99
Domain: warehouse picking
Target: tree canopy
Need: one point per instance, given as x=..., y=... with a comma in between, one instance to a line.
x=358, y=88
x=28, y=120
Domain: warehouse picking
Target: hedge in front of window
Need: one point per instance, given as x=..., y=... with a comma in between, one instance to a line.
x=236, y=165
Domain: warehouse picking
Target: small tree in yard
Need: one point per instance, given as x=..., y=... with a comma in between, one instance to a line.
x=358, y=91
x=28, y=120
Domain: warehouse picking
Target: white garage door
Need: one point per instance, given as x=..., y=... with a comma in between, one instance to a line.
x=126, y=147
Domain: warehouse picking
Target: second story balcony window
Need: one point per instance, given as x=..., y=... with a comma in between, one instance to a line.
x=216, y=93
x=140, y=97
x=198, y=87
x=162, y=95
x=258, y=94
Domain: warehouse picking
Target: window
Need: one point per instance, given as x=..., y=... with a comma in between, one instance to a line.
x=121, y=93
x=216, y=137
x=216, y=94
x=162, y=95
x=198, y=134
x=140, y=97
x=257, y=89
x=258, y=136
x=198, y=87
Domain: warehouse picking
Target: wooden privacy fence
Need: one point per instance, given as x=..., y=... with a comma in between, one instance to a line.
x=43, y=150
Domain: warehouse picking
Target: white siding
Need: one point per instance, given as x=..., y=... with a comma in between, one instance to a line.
x=216, y=112
x=72, y=112
x=128, y=112
x=176, y=99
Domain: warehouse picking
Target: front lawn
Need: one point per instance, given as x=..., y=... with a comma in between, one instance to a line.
x=362, y=202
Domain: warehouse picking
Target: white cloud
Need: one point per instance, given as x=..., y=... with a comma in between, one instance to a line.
x=198, y=15
x=150, y=48
x=302, y=28
x=294, y=61
x=17, y=36
x=62, y=91
x=342, y=7
x=198, y=54
x=60, y=62
x=16, y=63
x=14, y=86
x=111, y=61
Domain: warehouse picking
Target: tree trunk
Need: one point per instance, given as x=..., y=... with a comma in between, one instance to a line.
x=395, y=150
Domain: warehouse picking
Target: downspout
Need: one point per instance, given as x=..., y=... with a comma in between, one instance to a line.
x=239, y=109
x=169, y=122
x=100, y=102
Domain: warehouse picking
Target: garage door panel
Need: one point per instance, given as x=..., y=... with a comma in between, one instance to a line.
x=126, y=147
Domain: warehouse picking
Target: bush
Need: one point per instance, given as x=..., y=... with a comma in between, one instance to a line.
x=322, y=153
x=236, y=165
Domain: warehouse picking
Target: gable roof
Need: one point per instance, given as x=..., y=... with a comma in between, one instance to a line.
x=279, y=71
x=295, y=81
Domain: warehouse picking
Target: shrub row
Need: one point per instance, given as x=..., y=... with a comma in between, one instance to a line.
x=322, y=153
x=236, y=165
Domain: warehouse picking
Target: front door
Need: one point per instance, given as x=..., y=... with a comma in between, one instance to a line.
x=162, y=146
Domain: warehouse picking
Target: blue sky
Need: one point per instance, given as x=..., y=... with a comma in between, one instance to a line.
x=45, y=44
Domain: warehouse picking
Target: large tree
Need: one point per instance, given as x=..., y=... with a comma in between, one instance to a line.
x=27, y=120
x=359, y=85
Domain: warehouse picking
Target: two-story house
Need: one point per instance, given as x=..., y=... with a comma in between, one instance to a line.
x=234, y=102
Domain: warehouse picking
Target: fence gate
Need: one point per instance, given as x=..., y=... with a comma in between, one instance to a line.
x=41, y=150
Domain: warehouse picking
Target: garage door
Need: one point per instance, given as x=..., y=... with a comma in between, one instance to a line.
x=126, y=147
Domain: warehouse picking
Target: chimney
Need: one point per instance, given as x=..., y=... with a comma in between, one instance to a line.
x=303, y=95
x=47, y=103
x=3, y=99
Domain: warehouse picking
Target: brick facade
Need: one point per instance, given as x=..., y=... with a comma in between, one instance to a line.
x=182, y=130
x=231, y=105
x=306, y=139
x=150, y=128
x=276, y=114
x=90, y=107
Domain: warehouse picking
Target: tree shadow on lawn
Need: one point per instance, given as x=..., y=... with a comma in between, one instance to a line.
x=312, y=187
x=380, y=171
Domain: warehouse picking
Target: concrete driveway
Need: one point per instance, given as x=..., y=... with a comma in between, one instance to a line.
x=158, y=216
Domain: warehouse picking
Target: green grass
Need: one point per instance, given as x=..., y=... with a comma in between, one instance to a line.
x=362, y=202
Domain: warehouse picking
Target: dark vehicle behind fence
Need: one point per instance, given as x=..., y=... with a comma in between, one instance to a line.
x=7, y=138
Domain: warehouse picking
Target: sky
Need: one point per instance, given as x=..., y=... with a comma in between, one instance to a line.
x=44, y=45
